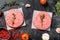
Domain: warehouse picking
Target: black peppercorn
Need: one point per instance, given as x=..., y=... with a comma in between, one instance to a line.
x=1, y=13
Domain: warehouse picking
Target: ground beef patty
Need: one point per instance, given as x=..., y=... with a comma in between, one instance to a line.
x=14, y=18
x=38, y=22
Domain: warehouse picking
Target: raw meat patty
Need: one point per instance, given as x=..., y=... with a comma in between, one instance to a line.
x=46, y=21
x=14, y=23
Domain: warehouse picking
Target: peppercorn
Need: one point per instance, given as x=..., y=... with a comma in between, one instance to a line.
x=1, y=13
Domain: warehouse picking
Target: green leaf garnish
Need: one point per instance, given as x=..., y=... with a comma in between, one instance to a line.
x=57, y=8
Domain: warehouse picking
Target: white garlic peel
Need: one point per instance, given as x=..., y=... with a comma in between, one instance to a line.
x=27, y=5
x=58, y=30
x=45, y=36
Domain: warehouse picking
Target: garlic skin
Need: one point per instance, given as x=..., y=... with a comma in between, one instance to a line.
x=58, y=30
x=27, y=5
x=45, y=36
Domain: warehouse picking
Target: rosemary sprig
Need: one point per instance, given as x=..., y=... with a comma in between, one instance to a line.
x=13, y=16
x=42, y=17
x=12, y=3
x=4, y=6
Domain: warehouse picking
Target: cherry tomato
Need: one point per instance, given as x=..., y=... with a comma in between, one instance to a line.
x=43, y=2
x=25, y=36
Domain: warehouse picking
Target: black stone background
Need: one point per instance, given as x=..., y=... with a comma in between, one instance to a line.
x=28, y=13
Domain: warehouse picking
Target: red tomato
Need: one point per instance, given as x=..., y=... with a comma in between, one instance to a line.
x=19, y=35
x=4, y=34
x=43, y=2
x=24, y=36
x=14, y=36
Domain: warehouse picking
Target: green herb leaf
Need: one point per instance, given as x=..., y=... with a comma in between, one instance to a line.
x=57, y=8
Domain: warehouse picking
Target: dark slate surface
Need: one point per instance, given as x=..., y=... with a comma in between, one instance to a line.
x=28, y=13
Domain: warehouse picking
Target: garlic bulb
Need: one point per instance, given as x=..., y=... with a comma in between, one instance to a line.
x=45, y=36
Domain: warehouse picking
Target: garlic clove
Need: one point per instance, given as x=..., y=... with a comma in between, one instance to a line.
x=58, y=30
x=27, y=5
